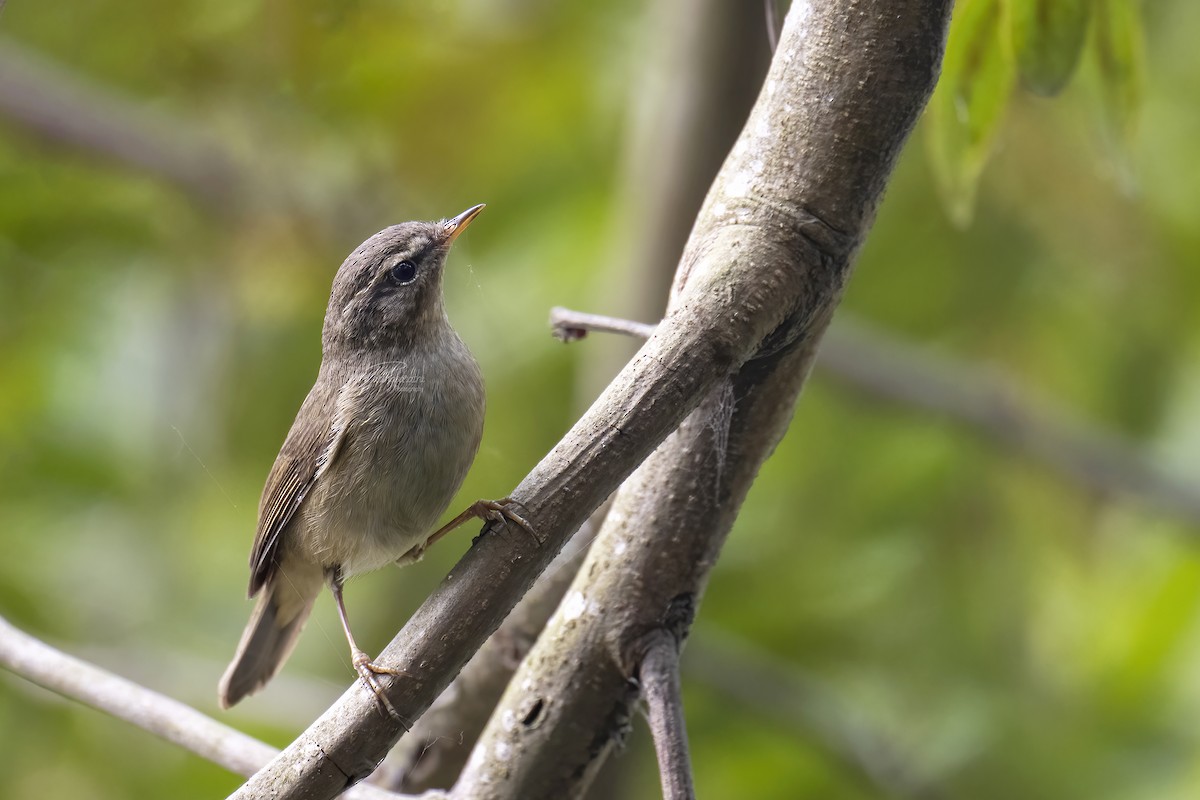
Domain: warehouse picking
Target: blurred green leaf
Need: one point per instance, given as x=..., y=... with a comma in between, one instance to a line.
x=1015, y=635
x=965, y=112
x=1121, y=59
x=1047, y=38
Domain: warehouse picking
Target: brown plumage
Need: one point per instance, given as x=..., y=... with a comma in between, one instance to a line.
x=378, y=449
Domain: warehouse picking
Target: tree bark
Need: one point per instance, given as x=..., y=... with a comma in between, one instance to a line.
x=763, y=270
x=659, y=681
x=433, y=753
x=797, y=194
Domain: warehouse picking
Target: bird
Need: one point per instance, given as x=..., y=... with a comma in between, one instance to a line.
x=378, y=449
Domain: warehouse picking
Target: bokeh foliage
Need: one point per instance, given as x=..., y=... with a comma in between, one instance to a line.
x=1010, y=634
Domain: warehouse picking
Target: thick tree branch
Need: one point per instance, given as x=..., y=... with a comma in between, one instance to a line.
x=699, y=84
x=433, y=753
x=659, y=679
x=48, y=100
x=78, y=680
x=764, y=267
x=799, y=189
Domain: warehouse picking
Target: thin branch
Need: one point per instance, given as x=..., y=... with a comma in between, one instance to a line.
x=1006, y=413
x=568, y=325
x=991, y=405
x=158, y=714
x=659, y=676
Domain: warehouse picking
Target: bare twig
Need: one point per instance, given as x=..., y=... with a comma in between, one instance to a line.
x=169, y=719
x=659, y=676
x=569, y=326
x=990, y=404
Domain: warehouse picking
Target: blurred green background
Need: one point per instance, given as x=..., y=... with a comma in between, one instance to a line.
x=178, y=183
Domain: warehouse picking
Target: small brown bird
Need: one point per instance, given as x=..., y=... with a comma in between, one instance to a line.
x=378, y=449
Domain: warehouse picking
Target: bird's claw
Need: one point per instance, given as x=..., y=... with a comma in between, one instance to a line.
x=500, y=510
x=367, y=670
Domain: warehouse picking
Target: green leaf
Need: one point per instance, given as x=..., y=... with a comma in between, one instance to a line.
x=966, y=109
x=1047, y=38
x=1121, y=59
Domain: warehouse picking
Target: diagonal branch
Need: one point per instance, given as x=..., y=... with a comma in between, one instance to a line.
x=78, y=680
x=54, y=104
x=434, y=751
x=988, y=403
x=763, y=269
x=1006, y=413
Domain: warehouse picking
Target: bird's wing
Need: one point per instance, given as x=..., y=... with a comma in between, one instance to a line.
x=311, y=447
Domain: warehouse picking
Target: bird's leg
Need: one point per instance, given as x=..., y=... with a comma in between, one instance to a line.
x=492, y=510
x=366, y=668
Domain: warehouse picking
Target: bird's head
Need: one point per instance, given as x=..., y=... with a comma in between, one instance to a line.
x=388, y=292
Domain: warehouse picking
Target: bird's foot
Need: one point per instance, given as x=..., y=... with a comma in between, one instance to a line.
x=490, y=510
x=367, y=669
x=500, y=510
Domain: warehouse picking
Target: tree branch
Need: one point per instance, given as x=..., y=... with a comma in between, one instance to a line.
x=799, y=189
x=989, y=404
x=1002, y=411
x=763, y=267
x=169, y=719
x=659, y=678
x=568, y=325
x=435, y=750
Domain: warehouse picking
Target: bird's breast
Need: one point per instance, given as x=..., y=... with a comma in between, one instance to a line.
x=413, y=427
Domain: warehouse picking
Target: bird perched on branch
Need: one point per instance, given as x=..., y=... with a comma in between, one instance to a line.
x=378, y=449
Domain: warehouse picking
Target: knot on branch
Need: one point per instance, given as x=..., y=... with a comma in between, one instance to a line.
x=681, y=611
x=820, y=254
x=673, y=625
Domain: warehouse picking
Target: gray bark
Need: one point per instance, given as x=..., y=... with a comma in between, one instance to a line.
x=797, y=194
x=760, y=277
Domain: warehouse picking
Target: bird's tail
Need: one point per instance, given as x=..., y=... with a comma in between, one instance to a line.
x=279, y=615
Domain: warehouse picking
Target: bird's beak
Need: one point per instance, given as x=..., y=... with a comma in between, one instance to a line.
x=451, y=228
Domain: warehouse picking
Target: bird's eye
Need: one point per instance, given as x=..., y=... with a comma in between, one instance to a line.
x=403, y=272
